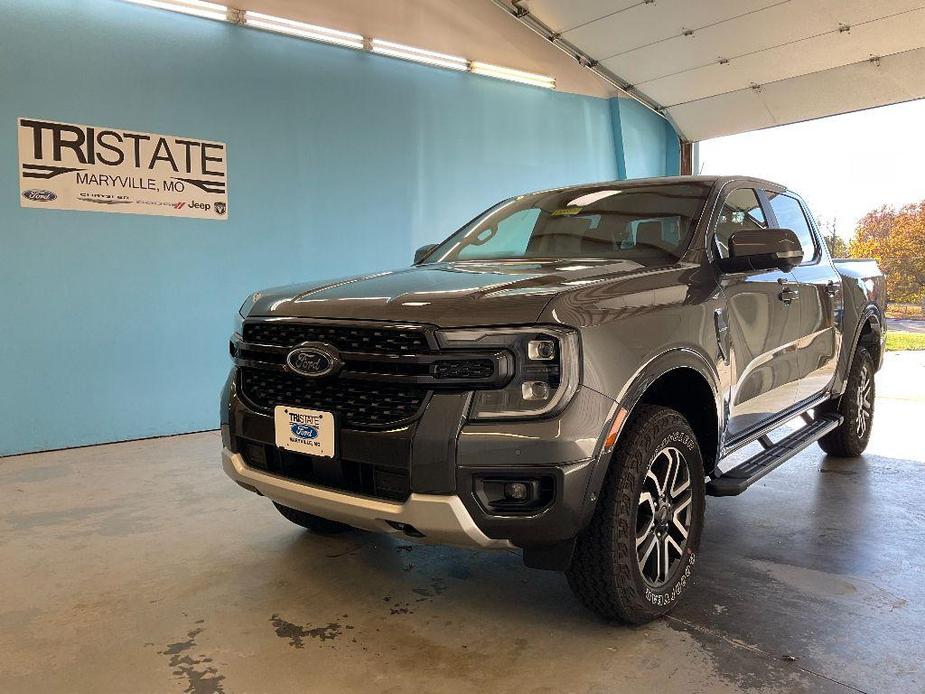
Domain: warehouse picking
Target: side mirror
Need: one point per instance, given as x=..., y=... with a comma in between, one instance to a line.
x=423, y=252
x=762, y=249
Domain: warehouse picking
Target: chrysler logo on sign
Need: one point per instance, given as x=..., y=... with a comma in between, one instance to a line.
x=314, y=359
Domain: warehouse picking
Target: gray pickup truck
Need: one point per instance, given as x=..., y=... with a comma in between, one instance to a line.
x=570, y=373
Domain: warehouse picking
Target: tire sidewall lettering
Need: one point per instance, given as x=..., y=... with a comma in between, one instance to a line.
x=671, y=595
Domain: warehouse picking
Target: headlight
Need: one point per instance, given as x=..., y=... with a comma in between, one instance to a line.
x=546, y=369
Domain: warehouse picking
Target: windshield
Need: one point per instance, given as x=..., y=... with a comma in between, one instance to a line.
x=648, y=224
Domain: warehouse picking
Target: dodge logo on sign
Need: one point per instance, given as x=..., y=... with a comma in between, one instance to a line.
x=84, y=167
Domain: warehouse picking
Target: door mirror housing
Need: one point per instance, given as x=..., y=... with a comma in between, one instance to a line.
x=423, y=252
x=762, y=249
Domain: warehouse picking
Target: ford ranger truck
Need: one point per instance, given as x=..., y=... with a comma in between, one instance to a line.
x=570, y=374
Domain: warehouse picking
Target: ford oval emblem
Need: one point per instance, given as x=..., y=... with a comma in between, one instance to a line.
x=39, y=195
x=314, y=359
x=303, y=431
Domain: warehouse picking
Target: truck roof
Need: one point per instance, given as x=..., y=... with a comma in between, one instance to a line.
x=666, y=180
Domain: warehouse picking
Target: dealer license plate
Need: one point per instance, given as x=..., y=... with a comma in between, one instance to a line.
x=304, y=431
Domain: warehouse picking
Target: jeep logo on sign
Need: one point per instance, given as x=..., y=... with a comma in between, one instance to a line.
x=314, y=359
x=39, y=195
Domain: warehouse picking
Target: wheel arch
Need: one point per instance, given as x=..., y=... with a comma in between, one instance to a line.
x=682, y=379
x=869, y=333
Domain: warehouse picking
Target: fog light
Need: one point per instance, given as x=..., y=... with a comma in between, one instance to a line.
x=535, y=390
x=541, y=350
x=516, y=491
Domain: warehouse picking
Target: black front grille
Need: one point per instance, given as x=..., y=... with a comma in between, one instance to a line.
x=356, y=403
x=345, y=338
x=465, y=368
x=378, y=481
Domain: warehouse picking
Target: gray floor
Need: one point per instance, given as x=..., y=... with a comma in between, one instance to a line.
x=138, y=567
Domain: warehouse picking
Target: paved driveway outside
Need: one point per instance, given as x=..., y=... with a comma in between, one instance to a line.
x=907, y=325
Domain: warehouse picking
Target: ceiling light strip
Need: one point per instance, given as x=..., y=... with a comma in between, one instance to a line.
x=419, y=55
x=512, y=75
x=313, y=32
x=281, y=25
x=197, y=8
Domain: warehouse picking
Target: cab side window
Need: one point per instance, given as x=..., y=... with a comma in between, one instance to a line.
x=790, y=215
x=741, y=210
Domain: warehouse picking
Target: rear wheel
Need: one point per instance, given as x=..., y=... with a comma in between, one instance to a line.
x=316, y=524
x=636, y=557
x=856, y=406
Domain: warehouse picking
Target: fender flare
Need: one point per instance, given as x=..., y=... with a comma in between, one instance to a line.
x=870, y=313
x=630, y=396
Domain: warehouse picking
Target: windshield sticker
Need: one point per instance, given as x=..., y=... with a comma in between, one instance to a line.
x=566, y=211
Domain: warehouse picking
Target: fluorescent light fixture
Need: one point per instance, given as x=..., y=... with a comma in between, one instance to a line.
x=312, y=32
x=197, y=8
x=419, y=55
x=506, y=73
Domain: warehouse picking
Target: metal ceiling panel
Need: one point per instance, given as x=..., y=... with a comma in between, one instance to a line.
x=700, y=58
x=659, y=25
x=563, y=15
x=900, y=33
x=777, y=27
x=892, y=79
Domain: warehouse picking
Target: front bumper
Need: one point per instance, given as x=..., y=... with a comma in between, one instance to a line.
x=441, y=519
x=444, y=457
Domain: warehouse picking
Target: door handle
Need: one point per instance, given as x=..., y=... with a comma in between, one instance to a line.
x=788, y=295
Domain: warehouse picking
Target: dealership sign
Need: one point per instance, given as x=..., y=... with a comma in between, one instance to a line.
x=63, y=166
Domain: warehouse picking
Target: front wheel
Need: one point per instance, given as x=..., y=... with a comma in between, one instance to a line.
x=856, y=406
x=636, y=557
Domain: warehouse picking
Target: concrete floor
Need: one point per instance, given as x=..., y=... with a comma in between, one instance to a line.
x=138, y=567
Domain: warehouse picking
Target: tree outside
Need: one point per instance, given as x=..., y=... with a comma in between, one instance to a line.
x=838, y=247
x=896, y=239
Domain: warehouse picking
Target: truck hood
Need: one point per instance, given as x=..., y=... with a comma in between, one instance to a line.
x=444, y=294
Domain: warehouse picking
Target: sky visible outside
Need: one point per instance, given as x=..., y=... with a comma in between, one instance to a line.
x=843, y=166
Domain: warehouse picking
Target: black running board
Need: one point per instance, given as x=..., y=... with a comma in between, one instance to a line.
x=741, y=477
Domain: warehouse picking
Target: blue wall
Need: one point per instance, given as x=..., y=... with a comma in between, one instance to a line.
x=115, y=326
x=645, y=144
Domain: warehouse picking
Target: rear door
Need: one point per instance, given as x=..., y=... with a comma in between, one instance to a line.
x=819, y=292
x=763, y=324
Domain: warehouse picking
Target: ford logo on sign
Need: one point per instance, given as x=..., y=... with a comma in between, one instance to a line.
x=303, y=431
x=39, y=195
x=314, y=359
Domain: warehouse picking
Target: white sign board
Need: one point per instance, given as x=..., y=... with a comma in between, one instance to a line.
x=63, y=166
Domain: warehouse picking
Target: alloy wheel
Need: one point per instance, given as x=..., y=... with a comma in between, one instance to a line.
x=865, y=402
x=663, y=519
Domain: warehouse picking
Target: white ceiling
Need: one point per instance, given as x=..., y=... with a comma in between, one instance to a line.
x=727, y=66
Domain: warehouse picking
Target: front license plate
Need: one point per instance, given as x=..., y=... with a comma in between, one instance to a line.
x=304, y=431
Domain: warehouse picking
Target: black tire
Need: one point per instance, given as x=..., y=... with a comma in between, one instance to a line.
x=605, y=573
x=856, y=405
x=316, y=524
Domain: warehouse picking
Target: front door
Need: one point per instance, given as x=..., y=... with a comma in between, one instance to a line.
x=764, y=323
x=819, y=288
